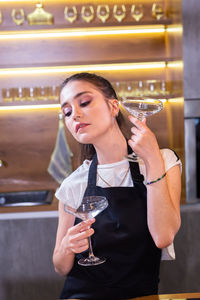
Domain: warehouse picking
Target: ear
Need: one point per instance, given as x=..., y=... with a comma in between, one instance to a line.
x=114, y=106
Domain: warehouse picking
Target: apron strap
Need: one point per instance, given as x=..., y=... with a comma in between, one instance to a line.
x=92, y=175
x=135, y=169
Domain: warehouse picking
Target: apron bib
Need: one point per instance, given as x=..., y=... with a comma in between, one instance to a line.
x=122, y=237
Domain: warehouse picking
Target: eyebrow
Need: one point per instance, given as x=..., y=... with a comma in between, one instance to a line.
x=76, y=96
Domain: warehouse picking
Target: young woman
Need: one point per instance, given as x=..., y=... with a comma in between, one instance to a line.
x=143, y=215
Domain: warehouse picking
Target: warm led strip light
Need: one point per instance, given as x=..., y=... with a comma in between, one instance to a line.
x=70, y=1
x=84, y=68
x=74, y=32
x=175, y=64
x=176, y=100
x=24, y=107
x=57, y=106
x=175, y=29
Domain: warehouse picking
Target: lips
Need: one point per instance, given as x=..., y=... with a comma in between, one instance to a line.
x=81, y=125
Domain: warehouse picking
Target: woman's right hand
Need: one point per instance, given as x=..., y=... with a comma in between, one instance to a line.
x=76, y=238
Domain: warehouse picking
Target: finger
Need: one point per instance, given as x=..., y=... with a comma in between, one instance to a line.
x=85, y=234
x=131, y=144
x=135, y=139
x=82, y=235
x=139, y=124
x=80, y=249
x=79, y=243
x=80, y=246
x=136, y=131
x=82, y=226
x=82, y=243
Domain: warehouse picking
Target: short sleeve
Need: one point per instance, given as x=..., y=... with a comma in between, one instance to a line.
x=64, y=193
x=171, y=159
x=168, y=253
x=72, y=189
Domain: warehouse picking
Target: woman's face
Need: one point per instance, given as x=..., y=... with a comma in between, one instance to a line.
x=87, y=114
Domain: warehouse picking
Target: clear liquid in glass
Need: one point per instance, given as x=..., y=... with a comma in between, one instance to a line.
x=140, y=109
x=89, y=210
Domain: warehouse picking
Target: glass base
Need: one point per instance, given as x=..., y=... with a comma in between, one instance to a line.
x=91, y=261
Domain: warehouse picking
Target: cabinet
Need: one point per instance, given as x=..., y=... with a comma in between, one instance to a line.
x=137, y=50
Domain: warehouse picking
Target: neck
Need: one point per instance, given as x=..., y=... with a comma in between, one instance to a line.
x=111, y=148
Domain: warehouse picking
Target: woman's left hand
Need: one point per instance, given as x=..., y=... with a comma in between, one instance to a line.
x=143, y=141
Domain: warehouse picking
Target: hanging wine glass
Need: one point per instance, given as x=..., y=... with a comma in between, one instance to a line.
x=129, y=89
x=164, y=88
x=151, y=89
x=18, y=16
x=7, y=94
x=157, y=11
x=139, y=88
x=32, y=94
x=137, y=12
x=119, y=12
x=140, y=107
x=19, y=94
x=54, y=92
x=103, y=12
x=43, y=93
x=87, y=13
x=90, y=207
x=70, y=13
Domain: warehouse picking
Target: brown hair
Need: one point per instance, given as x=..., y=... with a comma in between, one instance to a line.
x=106, y=88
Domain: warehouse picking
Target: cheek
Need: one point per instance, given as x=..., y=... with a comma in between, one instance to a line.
x=103, y=116
x=68, y=125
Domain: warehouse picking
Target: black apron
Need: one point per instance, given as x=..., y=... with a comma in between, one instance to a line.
x=122, y=236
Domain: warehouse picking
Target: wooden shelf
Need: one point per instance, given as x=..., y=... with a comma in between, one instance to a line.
x=86, y=25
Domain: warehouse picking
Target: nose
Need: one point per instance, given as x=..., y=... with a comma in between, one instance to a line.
x=77, y=113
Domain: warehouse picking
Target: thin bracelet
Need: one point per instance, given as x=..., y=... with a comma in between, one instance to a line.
x=150, y=182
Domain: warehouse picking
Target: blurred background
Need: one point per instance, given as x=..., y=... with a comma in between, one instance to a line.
x=145, y=48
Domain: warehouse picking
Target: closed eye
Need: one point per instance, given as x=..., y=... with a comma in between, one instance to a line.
x=83, y=104
x=67, y=112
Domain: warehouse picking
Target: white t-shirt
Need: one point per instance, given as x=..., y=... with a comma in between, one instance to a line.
x=73, y=187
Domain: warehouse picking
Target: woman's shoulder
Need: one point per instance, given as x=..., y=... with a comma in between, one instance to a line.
x=74, y=185
x=79, y=174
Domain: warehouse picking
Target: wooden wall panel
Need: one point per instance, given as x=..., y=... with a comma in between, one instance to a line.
x=81, y=50
x=27, y=141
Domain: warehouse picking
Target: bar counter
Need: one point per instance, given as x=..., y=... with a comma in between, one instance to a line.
x=183, y=296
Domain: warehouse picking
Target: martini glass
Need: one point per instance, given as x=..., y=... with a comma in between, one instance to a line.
x=140, y=107
x=90, y=207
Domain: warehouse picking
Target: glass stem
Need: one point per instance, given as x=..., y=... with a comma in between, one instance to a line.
x=91, y=254
x=140, y=117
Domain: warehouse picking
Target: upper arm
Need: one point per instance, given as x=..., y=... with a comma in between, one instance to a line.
x=64, y=223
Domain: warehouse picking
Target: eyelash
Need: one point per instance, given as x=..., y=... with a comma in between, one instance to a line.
x=85, y=103
x=67, y=114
